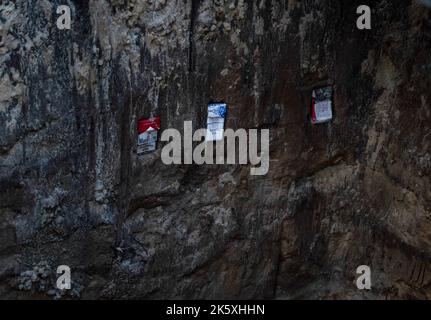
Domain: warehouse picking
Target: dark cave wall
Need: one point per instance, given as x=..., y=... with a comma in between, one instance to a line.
x=339, y=195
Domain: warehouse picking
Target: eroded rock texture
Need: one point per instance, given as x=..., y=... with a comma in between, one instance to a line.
x=339, y=195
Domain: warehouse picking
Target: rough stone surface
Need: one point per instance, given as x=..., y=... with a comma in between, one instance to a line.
x=339, y=195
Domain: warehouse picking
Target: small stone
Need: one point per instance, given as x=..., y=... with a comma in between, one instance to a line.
x=51, y=292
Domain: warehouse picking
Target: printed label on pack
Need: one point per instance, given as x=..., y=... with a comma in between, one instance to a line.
x=148, y=132
x=215, y=121
x=321, y=107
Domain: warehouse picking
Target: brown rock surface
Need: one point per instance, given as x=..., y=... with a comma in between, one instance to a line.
x=352, y=192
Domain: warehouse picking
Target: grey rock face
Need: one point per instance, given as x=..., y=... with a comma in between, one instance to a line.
x=352, y=192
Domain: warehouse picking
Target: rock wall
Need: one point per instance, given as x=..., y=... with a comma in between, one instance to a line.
x=352, y=192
